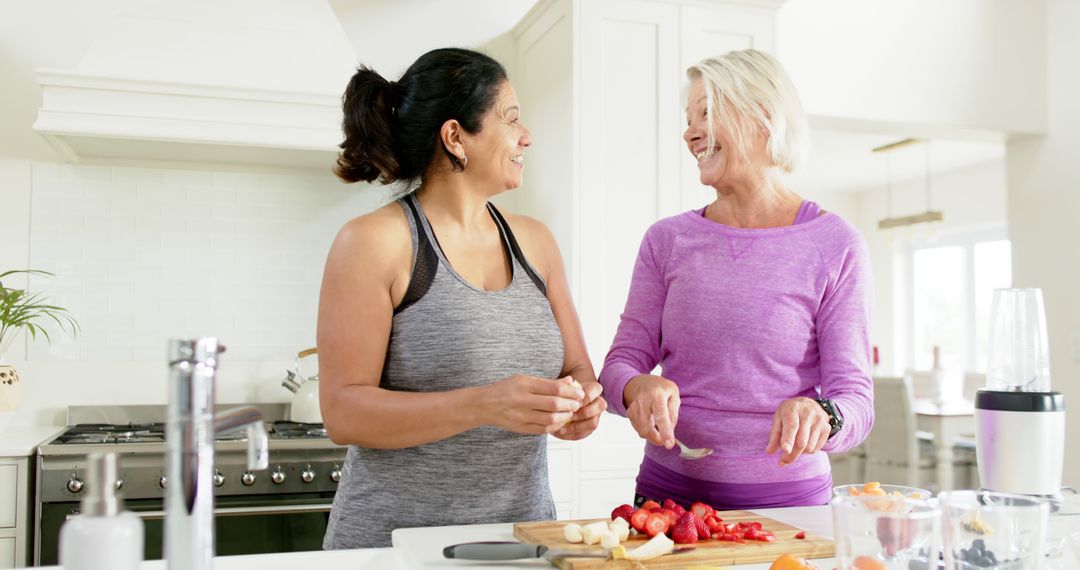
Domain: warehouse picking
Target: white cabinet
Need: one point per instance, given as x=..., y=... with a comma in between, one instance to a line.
x=7, y=552
x=600, y=84
x=14, y=518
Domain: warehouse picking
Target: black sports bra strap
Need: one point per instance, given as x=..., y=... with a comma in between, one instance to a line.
x=425, y=265
x=508, y=234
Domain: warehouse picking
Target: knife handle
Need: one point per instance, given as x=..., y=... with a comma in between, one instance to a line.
x=494, y=550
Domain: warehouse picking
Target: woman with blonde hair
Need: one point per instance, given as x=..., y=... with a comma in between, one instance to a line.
x=756, y=307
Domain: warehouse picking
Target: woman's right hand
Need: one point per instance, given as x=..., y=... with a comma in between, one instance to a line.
x=528, y=404
x=652, y=404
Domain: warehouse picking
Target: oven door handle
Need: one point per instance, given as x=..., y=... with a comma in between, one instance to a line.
x=241, y=511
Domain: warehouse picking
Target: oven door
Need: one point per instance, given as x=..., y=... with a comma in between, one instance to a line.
x=243, y=525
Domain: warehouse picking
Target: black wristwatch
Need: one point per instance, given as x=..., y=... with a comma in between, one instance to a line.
x=836, y=420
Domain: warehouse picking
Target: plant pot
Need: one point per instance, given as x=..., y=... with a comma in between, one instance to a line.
x=10, y=394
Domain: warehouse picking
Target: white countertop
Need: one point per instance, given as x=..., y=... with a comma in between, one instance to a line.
x=421, y=548
x=22, y=441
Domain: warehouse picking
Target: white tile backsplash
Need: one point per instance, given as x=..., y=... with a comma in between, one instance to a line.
x=143, y=255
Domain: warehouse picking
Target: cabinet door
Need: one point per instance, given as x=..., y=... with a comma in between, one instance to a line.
x=9, y=479
x=629, y=136
x=708, y=32
x=7, y=552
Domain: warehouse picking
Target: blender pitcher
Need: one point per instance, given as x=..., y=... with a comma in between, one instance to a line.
x=1019, y=420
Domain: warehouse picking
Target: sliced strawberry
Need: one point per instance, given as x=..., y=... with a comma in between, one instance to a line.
x=650, y=505
x=765, y=536
x=638, y=518
x=702, y=528
x=656, y=524
x=714, y=524
x=668, y=504
x=801, y=534
x=684, y=532
x=700, y=509
x=622, y=512
x=679, y=510
x=750, y=534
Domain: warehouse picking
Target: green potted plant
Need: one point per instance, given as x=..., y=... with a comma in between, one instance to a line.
x=21, y=310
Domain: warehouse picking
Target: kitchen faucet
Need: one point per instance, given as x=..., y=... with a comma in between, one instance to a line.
x=190, y=431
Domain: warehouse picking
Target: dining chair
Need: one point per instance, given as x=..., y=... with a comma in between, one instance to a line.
x=896, y=452
x=972, y=382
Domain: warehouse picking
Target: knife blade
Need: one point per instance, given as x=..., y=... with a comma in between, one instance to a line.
x=496, y=550
x=514, y=550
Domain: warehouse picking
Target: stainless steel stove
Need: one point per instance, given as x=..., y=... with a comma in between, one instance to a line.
x=282, y=509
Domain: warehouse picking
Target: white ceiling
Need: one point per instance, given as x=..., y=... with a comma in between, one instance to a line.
x=389, y=34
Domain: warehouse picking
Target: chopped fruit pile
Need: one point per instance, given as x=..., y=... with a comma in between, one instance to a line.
x=700, y=522
x=873, y=488
x=888, y=502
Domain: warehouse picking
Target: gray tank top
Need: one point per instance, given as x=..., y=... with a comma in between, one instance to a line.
x=447, y=334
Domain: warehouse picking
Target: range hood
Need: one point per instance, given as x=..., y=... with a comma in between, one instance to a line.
x=97, y=119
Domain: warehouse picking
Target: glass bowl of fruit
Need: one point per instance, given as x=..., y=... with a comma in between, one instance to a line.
x=983, y=529
x=890, y=532
x=874, y=488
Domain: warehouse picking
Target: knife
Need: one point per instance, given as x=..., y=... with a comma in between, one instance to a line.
x=516, y=550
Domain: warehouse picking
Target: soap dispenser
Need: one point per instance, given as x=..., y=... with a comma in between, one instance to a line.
x=103, y=535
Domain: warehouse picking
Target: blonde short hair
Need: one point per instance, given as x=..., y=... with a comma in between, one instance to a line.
x=752, y=85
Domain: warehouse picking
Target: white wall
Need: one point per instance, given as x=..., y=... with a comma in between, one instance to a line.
x=970, y=64
x=143, y=255
x=1044, y=202
x=973, y=197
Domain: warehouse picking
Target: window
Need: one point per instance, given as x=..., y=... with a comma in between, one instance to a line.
x=951, y=286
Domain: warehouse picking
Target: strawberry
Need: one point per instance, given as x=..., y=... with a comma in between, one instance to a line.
x=623, y=512
x=685, y=530
x=650, y=505
x=638, y=518
x=656, y=524
x=801, y=534
x=668, y=504
x=714, y=523
x=679, y=510
x=672, y=516
x=702, y=528
x=701, y=509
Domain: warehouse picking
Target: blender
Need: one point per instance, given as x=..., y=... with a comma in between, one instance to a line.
x=1019, y=420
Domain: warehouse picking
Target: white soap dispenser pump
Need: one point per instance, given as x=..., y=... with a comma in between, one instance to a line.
x=103, y=535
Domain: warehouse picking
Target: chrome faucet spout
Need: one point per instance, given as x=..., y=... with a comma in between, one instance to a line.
x=189, y=437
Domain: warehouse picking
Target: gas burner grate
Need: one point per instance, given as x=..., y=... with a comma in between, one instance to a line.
x=296, y=430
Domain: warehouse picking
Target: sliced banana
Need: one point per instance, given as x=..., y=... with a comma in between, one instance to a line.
x=620, y=527
x=658, y=545
x=572, y=532
x=593, y=532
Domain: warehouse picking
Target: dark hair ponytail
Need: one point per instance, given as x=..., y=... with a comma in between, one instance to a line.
x=392, y=129
x=368, y=151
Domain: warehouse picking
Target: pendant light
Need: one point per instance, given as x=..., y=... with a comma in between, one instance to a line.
x=930, y=215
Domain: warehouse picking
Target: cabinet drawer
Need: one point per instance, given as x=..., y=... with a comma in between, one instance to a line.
x=9, y=479
x=7, y=552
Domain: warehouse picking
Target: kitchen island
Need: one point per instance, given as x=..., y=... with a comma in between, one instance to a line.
x=421, y=548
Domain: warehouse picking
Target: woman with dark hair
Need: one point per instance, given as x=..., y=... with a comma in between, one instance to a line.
x=448, y=342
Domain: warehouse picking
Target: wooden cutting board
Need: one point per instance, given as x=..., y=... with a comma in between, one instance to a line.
x=706, y=552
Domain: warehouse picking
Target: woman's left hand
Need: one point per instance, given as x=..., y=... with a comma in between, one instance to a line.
x=800, y=425
x=585, y=420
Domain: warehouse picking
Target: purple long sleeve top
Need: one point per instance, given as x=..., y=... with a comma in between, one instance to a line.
x=742, y=319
